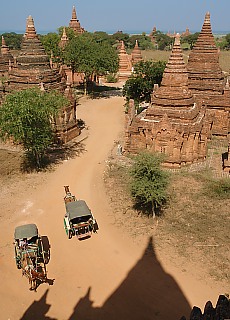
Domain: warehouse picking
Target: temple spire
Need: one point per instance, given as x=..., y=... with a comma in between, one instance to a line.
x=74, y=22
x=30, y=29
x=64, y=39
x=4, y=48
x=74, y=14
x=174, y=86
x=203, y=66
x=136, y=54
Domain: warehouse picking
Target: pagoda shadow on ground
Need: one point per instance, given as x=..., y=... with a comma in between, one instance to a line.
x=148, y=292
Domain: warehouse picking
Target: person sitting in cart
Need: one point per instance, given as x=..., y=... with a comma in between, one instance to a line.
x=23, y=243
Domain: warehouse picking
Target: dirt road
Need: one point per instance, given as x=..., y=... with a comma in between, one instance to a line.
x=105, y=277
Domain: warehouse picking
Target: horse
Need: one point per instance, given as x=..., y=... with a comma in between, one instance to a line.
x=29, y=271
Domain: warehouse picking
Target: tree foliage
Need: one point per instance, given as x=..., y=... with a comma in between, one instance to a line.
x=26, y=117
x=85, y=54
x=13, y=40
x=140, y=85
x=50, y=43
x=144, y=42
x=69, y=32
x=163, y=40
x=190, y=39
x=120, y=36
x=148, y=181
x=227, y=39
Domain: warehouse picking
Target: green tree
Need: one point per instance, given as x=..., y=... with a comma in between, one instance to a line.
x=190, y=39
x=101, y=37
x=50, y=42
x=227, y=38
x=69, y=32
x=144, y=41
x=120, y=36
x=140, y=85
x=163, y=41
x=26, y=117
x=85, y=55
x=149, y=182
x=106, y=59
x=13, y=40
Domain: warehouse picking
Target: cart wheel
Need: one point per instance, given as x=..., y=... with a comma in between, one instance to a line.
x=95, y=227
x=70, y=234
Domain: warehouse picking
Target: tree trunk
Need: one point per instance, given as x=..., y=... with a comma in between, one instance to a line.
x=153, y=210
x=85, y=87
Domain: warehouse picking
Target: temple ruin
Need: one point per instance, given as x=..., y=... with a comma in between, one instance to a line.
x=207, y=81
x=174, y=124
x=31, y=68
x=128, y=61
x=6, y=59
x=64, y=39
x=191, y=105
x=74, y=23
x=125, y=64
x=136, y=55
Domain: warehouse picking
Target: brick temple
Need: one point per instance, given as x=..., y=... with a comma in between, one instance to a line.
x=127, y=61
x=6, y=59
x=207, y=81
x=31, y=68
x=75, y=24
x=136, y=55
x=174, y=124
x=191, y=105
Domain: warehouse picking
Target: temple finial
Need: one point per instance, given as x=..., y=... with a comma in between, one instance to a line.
x=177, y=39
x=207, y=16
x=74, y=14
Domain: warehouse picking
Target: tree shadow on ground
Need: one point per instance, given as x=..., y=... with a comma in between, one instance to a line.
x=96, y=91
x=148, y=292
x=38, y=310
x=106, y=94
x=54, y=155
x=67, y=151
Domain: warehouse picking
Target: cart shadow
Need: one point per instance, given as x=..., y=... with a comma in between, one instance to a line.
x=38, y=310
x=39, y=282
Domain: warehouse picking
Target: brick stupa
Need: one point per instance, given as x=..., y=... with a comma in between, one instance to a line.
x=6, y=59
x=74, y=23
x=207, y=82
x=32, y=69
x=32, y=65
x=152, y=35
x=205, y=74
x=136, y=55
x=173, y=124
x=64, y=39
x=125, y=65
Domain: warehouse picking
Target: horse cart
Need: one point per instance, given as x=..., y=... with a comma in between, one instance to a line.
x=78, y=220
x=30, y=255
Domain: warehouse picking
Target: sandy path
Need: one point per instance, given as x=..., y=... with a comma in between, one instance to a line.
x=107, y=276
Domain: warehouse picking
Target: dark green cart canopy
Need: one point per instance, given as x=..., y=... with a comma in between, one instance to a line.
x=26, y=231
x=76, y=209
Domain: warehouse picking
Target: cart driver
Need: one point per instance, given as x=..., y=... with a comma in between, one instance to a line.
x=23, y=243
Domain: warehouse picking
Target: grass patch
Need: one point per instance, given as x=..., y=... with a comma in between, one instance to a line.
x=164, y=55
x=195, y=222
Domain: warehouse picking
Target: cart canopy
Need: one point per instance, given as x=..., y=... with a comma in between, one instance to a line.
x=76, y=209
x=27, y=231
